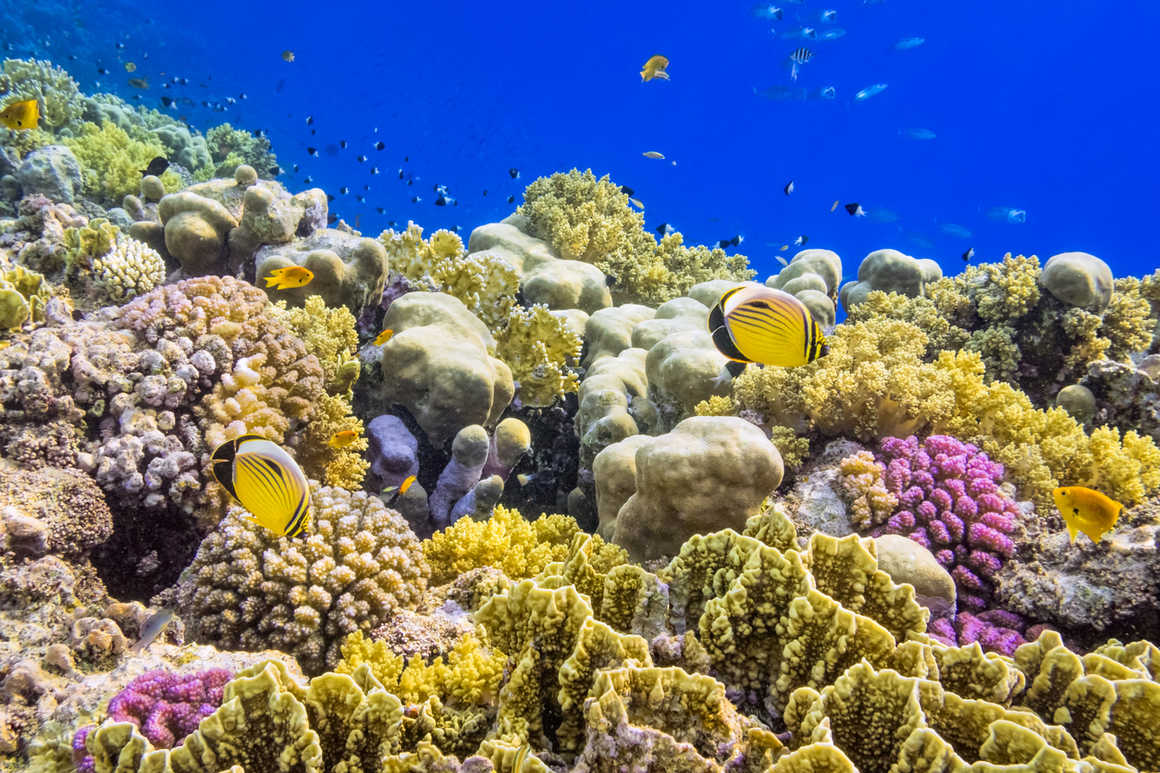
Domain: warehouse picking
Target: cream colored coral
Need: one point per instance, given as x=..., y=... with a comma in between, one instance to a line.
x=129, y=269
x=870, y=502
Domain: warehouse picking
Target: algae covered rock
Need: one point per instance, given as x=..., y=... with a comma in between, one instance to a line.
x=53, y=171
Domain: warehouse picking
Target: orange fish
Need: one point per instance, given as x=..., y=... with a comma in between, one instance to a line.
x=384, y=336
x=655, y=68
x=289, y=277
x=1087, y=510
x=343, y=438
x=399, y=490
x=21, y=115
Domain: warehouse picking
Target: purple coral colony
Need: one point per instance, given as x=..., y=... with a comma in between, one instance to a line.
x=548, y=529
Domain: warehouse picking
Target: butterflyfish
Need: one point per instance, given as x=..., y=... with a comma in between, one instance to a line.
x=265, y=480
x=151, y=629
x=653, y=154
x=384, y=336
x=754, y=323
x=24, y=114
x=289, y=277
x=655, y=68
x=343, y=438
x=520, y=758
x=1087, y=510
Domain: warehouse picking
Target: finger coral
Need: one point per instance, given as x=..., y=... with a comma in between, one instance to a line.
x=251, y=589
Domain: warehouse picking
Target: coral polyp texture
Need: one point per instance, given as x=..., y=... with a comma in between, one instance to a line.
x=550, y=527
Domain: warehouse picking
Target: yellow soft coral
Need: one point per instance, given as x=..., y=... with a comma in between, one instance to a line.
x=919, y=311
x=486, y=283
x=589, y=219
x=874, y=384
x=111, y=160
x=330, y=336
x=506, y=541
x=542, y=351
x=468, y=675
x=1128, y=321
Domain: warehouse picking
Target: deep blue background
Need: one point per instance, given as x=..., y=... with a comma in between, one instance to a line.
x=1049, y=107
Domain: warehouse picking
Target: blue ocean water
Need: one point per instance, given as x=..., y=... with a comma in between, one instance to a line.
x=1034, y=106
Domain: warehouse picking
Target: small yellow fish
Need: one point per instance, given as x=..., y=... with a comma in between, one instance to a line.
x=265, y=480
x=655, y=68
x=637, y=203
x=524, y=478
x=130, y=67
x=287, y=55
x=289, y=277
x=653, y=154
x=24, y=114
x=343, y=438
x=384, y=336
x=1087, y=510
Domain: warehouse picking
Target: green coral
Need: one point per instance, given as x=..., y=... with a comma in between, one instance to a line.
x=589, y=219
x=53, y=89
x=542, y=351
x=23, y=295
x=111, y=160
x=229, y=148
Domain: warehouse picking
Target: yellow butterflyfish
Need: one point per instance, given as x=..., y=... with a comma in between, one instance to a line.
x=265, y=480
x=755, y=323
x=24, y=114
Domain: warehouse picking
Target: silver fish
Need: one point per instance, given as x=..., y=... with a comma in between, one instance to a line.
x=152, y=629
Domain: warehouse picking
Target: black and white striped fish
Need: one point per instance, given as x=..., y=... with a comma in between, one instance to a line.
x=797, y=57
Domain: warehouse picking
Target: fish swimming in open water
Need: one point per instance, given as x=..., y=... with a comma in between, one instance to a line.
x=655, y=68
x=1087, y=510
x=265, y=480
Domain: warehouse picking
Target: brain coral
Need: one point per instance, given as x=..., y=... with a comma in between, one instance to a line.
x=250, y=589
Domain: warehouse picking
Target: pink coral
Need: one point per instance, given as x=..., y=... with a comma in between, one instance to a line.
x=949, y=498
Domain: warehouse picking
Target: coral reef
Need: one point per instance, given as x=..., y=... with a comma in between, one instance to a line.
x=251, y=589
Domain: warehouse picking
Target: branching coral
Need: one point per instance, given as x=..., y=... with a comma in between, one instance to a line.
x=252, y=589
x=485, y=283
x=506, y=541
x=230, y=147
